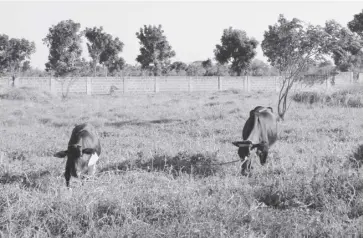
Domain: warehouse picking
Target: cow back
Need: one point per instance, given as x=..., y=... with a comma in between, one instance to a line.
x=260, y=126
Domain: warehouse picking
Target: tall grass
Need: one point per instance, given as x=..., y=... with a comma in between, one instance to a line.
x=352, y=97
x=157, y=175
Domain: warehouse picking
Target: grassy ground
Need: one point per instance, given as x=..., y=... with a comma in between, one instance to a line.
x=156, y=176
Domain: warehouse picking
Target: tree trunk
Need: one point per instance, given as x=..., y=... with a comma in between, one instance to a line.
x=13, y=76
x=13, y=79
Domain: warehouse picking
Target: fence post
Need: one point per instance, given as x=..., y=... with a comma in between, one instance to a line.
x=351, y=77
x=360, y=78
x=189, y=84
x=156, y=85
x=247, y=84
x=219, y=83
x=124, y=85
x=52, y=85
x=89, y=86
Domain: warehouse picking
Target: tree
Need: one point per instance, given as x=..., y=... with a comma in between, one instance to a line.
x=104, y=50
x=356, y=25
x=344, y=46
x=196, y=69
x=3, y=52
x=155, y=51
x=221, y=70
x=132, y=70
x=96, y=45
x=13, y=53
x=259, y=68
x=64, y=43
x=236, y=48
x=207, y=65
x=292, y=47
x=25, y=66
x=178, y=66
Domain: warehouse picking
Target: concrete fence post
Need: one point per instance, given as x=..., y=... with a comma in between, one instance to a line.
x=220, y=83
x=156, y=84
x=52, y=85
x=89, y=86
x=360, y=78
x=123, y=85
x=248, y=86
x=351, y=77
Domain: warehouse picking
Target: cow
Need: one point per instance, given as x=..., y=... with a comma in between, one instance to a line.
x=84, y=149
x=260, y=133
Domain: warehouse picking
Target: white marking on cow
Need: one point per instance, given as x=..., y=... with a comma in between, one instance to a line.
x=93, y=159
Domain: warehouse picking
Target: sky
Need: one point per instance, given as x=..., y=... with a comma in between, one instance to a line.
x=193, y=28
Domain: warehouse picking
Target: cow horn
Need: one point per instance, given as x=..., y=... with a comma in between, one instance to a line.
x=242, y=143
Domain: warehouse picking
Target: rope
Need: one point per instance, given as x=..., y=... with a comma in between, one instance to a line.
x=230, y=162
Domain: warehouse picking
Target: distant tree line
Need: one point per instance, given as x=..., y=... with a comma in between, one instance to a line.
x=292, y=47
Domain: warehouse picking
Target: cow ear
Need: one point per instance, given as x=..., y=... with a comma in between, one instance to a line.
x=61, y=154
x=88, y=151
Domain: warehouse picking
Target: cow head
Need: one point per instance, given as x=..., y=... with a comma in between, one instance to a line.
x=244, y=148
x=74, y=152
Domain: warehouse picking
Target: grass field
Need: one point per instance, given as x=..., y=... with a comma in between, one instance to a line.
x=156, y=176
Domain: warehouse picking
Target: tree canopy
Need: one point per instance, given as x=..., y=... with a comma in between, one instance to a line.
x=343, y=45
x=64, y=43
x=356, y=25
x=259, y=68
x=103, y=49
x=13, y=53
x=178, y=66
x=155, y=50
x=236, y=48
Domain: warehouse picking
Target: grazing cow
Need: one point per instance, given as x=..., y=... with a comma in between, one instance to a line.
x=83, y=151
x=260, y=132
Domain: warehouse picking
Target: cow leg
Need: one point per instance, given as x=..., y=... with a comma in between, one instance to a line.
x=246, y=166
x=262, y=153
x=70, y=171
x=92, y=170
x=67, y=174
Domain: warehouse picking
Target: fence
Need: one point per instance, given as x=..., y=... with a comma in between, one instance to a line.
x=106, y=85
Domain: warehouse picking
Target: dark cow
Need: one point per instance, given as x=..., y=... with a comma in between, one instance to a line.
x=83, y=151
x=260, y=132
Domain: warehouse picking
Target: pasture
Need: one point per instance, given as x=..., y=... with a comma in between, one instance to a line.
x=156, y=175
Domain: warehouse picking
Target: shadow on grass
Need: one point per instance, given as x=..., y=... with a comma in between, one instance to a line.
x=28, y=180
x=200, y=165
x=141, y=123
